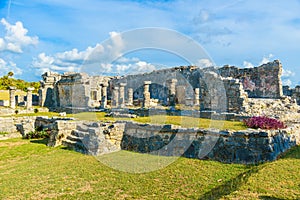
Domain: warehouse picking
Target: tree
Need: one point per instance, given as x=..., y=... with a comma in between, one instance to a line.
x=10, y=74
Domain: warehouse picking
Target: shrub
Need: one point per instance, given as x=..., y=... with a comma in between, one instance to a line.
x=16, y=111
x=264, y=122
x=36, y=110
x=37, y=134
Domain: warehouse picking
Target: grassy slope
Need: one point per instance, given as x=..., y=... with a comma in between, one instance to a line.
x=31, y=170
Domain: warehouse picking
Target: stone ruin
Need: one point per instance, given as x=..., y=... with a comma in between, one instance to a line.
x=212, y=90
x=208, y=92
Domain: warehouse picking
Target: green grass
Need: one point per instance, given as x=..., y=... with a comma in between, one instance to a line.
x=3, y=133
x=183, y=121
x=4, y=95
x=47, y=114
x=31, y=170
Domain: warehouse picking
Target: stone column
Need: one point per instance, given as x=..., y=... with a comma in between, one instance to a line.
x=12, y=100
x=115, y=97
x=130, y=97
x=104, y=95
x=146, y=100
x=29, y=97
x=99, y=93
x=122, y=95
x=197, y=94
x=172, y=91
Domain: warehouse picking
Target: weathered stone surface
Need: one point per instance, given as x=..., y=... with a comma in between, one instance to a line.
x=220, y=89
x=285, y=108
x=29, y=98
x=249, y=146
x=263, y=81
x=12, y=101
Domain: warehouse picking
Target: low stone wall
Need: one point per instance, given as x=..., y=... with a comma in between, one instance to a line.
x=21, y=126
x=284, y=108
x=247, y=147
x=16, y=126
x=60, y=128
x=96, y=138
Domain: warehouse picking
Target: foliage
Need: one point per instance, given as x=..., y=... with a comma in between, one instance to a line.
x=264, y=122
x=7, y=80
x=37, y=134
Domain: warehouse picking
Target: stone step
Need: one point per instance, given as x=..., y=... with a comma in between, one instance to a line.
x=82, y=127
x=73, y=144
x=74, y=138
x=79, y=133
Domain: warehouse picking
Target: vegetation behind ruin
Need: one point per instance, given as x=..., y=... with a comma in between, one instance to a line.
x=7, y=80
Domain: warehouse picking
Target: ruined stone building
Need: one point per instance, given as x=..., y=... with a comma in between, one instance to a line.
x=226, y=89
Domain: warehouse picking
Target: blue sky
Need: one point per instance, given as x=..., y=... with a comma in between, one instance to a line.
x=37, y=36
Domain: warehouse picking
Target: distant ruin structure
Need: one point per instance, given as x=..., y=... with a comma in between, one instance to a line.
x=225, y=89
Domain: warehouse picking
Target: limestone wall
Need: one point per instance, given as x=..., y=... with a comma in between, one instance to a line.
x=16, y=126
x=259, y=82
x=292, y=92
x=187, y=77
x=248, y=146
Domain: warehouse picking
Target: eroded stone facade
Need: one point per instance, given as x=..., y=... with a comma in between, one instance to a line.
x=225, y=89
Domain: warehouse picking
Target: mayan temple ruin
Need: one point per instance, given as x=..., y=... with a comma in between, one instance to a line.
x=225, y=93
x=226, y=89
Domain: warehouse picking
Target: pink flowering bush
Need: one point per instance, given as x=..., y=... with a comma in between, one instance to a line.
x=264, y=122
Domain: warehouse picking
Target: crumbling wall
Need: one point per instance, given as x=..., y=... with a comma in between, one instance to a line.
x=292, y=92
x=47, y=92
x=187, y=77
x=259, y=82
x=246, y=146
x=209, y=88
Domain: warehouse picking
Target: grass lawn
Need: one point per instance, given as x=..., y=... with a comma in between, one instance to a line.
x=4, y=95
x=31, y=170
x=183, y=121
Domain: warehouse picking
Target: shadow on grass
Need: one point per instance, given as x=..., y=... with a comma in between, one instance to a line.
x=40, y=141
x=269, y=198
x=231, y=185
x=292, y=153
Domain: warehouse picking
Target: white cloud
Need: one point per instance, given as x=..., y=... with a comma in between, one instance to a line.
x=16, y=37
x=202, y=17
x=93, y=60
x=287, y=73
x=247, y=64
x=203, y=63
x=142, y=66
x=6, y=67
x=266, y=59
x=287, y=82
